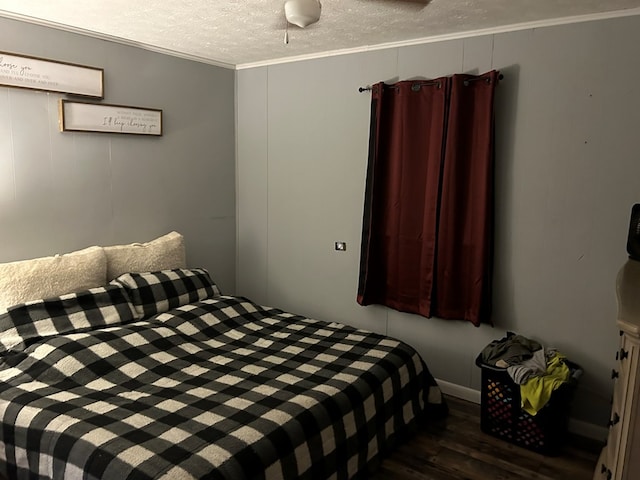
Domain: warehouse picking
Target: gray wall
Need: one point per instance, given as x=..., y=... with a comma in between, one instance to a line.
x=567, y=175
x=568, y=171
x=65, y=191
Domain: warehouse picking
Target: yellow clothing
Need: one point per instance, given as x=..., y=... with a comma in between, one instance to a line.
x=536, y=392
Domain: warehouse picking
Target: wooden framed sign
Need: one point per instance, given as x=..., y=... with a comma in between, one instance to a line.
x=21, y=71
x=106, y=118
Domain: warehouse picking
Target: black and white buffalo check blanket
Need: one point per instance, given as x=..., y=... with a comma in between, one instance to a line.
x=159, y=376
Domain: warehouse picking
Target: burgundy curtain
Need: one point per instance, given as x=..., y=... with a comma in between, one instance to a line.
x=428, y=215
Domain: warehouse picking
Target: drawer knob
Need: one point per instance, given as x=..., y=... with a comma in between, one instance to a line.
x=614, y=420
x=614, y=374
x=623, y=354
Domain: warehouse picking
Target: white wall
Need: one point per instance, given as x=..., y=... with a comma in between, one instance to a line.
x=65, y=191
x=568, y=172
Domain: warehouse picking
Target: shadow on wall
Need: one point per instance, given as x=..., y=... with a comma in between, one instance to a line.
x=506, y=107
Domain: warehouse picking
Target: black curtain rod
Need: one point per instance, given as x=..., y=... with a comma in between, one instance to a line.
x=426, y=82
x=487, y=79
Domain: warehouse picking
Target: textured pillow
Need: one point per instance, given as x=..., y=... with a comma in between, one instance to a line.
x=158, y=292
x=93, y=308
x=163, y=253
x=44, y=277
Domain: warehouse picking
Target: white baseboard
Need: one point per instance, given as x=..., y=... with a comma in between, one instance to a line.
x=578, y=427
x=458, y=391
x=588, y=430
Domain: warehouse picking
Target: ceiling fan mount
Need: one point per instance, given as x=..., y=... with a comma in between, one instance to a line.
x=302, y=12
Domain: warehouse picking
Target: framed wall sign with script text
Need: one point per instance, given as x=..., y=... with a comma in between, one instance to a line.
x=105, y=118
x=21, y=71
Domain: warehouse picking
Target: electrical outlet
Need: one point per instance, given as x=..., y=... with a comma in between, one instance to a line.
x=341, y=246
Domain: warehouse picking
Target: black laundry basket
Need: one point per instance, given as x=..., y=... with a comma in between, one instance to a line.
x=502, y=416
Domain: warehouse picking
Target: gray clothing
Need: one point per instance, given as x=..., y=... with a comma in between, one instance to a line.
x=536, y=365
x=512, y=349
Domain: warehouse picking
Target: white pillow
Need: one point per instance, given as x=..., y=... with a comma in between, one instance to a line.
x=46, y=277
x=163, y=253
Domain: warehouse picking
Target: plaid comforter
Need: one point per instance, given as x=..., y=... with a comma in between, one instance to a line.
x=219, y=388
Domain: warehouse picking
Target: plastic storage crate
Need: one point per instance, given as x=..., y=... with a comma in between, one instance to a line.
x=502, y=416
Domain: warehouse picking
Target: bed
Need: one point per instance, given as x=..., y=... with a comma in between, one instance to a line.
x=158, y=375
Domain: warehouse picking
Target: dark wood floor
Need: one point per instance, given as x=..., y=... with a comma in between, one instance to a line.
x=455, y=448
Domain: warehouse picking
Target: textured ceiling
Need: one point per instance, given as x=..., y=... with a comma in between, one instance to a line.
x=240, y=33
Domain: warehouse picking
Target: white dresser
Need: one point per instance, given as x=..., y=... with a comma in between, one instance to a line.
x=620, y=458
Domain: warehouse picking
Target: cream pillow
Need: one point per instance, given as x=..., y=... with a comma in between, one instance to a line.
x=163, y=253
x=46, y=277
